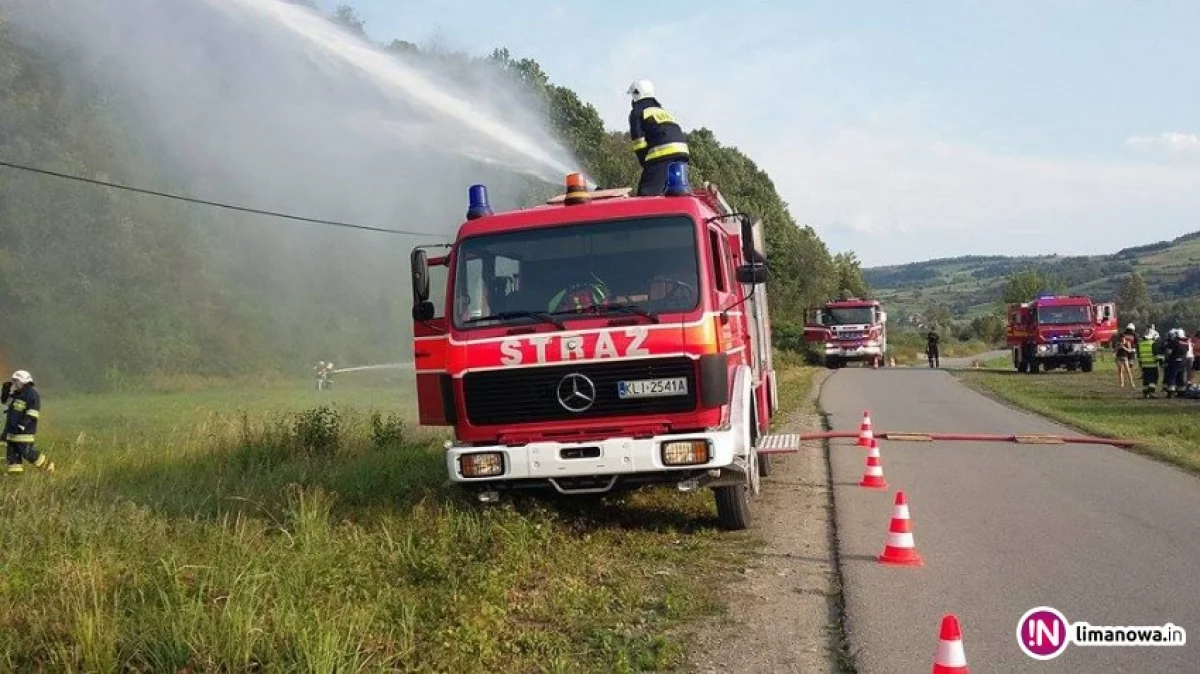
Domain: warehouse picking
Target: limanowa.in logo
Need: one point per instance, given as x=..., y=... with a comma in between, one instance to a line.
x=1044, y=632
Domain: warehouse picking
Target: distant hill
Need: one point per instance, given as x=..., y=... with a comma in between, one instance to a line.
x=970, y=285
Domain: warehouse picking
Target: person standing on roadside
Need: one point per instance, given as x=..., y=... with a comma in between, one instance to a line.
x=1149, y=354
x=1126, y=351
x=931, y=349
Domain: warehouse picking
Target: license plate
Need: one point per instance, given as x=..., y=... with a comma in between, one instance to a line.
x=652, y=388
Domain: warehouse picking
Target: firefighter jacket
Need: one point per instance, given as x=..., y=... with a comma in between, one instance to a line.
x=21, y=418
x=655, y=134
x=1177, y=350
x=1148, y=351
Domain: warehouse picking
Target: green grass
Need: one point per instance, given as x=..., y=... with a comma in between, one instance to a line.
x=1094, y=403
x=909, y=347
x=273, y=528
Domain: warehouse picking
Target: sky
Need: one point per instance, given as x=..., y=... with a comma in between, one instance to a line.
x=900, y=131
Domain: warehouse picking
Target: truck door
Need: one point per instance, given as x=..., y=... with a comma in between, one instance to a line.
x=732, y=331
x=1107, y=325
x=814, y=325
x=435, y=399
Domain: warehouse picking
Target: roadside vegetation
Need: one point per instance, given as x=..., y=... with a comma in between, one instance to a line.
x=1094, y=403
x=279, y=528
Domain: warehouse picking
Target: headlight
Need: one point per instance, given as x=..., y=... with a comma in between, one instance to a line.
x=483, y=464
x=685, y=452
x=1042, y=348
x=1089, y=347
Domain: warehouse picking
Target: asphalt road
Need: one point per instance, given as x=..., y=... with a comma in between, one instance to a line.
x=1102, y=535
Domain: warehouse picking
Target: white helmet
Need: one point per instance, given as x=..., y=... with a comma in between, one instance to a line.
x=22, y=377
x=641, y=89
x=1130, y=327
x=330, y=365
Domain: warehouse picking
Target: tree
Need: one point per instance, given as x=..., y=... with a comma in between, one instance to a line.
x=850, y=281
x=1025, y=285
x=348, y=17
x=1133, y=300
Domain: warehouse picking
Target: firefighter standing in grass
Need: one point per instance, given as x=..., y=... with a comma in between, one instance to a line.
x=20, y=424
x=1148, y=355
x=1175, y=383
x=657, y=139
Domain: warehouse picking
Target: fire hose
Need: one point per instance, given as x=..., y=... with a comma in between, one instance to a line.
x=1031, y=439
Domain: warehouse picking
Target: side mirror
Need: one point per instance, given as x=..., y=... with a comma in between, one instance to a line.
x=420, y=278
x=752, y=274
x=423, y=311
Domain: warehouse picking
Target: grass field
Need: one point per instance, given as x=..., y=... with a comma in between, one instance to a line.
x=1094, y=403
x=275, y=528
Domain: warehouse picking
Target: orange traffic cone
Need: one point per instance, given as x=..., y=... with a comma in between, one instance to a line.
x=865, y=436
x=873, y=474
x=950, y=658
x=900, y=548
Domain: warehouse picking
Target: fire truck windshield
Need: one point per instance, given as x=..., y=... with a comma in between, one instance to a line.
x=1064, y=315
x=849, y=316
x=643, y=266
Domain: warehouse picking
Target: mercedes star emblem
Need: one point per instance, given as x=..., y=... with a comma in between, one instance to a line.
x=576, y=393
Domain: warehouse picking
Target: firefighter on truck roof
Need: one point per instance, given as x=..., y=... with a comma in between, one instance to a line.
x=658, y=140
x=20, y=423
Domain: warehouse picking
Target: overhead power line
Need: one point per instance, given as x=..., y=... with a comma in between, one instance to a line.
x=216, y=204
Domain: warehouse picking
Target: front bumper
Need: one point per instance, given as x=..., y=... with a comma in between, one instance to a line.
x=1073, y=350
x=614, y=457
x=850, y=352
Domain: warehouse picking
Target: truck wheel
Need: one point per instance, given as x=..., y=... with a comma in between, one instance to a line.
x=1087, y=365
x=733, y=501
x=1023, y=367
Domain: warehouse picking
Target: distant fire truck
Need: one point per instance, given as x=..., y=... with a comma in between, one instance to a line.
x=1056, y=331
x=849, y=330
x=601, y=342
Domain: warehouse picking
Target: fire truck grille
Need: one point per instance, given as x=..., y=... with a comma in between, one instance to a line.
x=532, y=394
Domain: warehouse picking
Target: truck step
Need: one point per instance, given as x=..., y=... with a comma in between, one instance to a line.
x=779, y=443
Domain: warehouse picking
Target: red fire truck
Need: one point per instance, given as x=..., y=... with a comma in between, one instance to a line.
x=1056, y=331
x=849, y=330
x=601, y=342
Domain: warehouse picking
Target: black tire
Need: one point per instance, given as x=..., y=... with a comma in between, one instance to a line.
x=733, y=501
x=1087, y=365
x=733, y=507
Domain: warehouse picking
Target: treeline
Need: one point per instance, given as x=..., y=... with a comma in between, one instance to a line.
x=100, y=288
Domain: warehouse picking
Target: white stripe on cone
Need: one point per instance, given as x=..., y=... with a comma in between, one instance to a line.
x=899, y=540
x=900, y=512
x=951, y=654
x=874, y=471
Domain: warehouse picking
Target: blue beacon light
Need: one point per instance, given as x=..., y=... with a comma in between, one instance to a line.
x=479, y=206
x=677, y=179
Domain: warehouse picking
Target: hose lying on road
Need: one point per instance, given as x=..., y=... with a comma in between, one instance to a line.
x=975, y=437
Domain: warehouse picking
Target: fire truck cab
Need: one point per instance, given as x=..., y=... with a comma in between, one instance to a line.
x=601, y=342
x=1054, y=331
x=849, y=330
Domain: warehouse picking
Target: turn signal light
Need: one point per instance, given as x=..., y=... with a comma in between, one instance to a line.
x=685, y=452
x=483, y=464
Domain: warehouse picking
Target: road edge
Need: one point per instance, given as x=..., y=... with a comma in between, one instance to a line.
x=839, y=636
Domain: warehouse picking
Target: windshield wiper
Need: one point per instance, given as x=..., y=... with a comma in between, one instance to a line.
x=607, y=309
x=505, y=315
x=629, y=309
